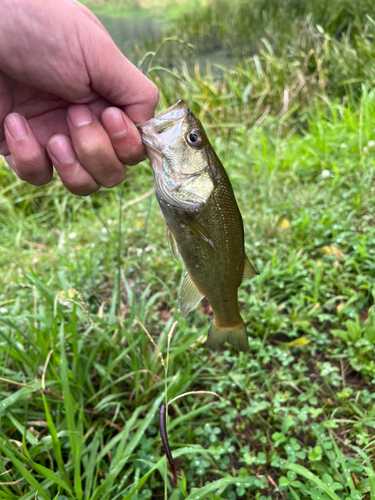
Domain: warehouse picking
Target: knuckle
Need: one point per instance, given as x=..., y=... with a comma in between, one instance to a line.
x=92, y=150
x=32, y=170
x=30, y=163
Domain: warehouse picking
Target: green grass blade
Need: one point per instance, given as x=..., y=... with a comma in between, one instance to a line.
x=77, y=473
x=160, y=464
x=293, y=493
x=5, y=477
x=345, y=469
x=302, y=471
x=371, y=476
x=69, y=408
x=121, y=436
x=189, y=416
x=55, y=442
x=215, y=485
x=22, y=430
x=119, y=461
x=90, y=467
x=141, y=429
x=49, y=474
x=22, y=470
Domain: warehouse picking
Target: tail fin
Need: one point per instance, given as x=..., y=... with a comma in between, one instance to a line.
x=235, y=335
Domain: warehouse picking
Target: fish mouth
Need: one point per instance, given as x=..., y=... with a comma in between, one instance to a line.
x=158, y=131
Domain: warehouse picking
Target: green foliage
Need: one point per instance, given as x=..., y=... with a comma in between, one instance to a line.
x=236, y=25
x=279, y=58
x=81, y=383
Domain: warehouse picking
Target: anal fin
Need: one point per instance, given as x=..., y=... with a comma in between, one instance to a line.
x=189, y=296
x=172, y=244
x=249, y=270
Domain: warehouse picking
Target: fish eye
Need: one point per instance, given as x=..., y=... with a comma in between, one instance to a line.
x=194, y=138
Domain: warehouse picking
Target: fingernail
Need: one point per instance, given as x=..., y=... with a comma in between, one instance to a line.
x=80, y=115
x=16, y=126
x=115, y=123
x=61, y=149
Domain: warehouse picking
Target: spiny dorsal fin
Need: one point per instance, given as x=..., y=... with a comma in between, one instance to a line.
x=172, y=244
x=189, y=296
x=249, y=270
x=199, y=231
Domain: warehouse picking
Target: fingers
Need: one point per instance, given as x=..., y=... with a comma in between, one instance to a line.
x=94, y=148
x=124, y=136
x=72, y=173
x=93, y=156
x=28, y=159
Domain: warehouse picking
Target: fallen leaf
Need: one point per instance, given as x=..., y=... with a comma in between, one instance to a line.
x=314, y=308
x=301, y=342
x=340, y=306
x=200, y=340
x=333, y=250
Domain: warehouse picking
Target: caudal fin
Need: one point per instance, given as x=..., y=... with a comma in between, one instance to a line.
x=235, y=335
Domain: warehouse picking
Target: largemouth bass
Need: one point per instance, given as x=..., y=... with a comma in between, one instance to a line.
x=204, y=224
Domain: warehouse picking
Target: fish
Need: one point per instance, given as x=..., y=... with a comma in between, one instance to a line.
x=204, y=223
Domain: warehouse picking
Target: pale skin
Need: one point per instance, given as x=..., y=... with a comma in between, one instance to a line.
x=68, y=98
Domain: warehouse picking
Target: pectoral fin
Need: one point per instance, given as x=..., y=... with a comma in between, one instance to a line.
x=200, y=232
x=249, y=270
x=189, y=296
x=172, y=244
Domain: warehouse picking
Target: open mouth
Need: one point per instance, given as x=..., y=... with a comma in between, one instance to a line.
x=161, y=130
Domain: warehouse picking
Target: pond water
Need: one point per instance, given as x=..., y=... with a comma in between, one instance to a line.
x=128, y=31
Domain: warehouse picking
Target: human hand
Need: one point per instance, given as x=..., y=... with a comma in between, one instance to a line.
x=68, y=97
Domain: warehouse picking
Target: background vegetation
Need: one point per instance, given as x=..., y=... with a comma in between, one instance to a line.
x=292, y=117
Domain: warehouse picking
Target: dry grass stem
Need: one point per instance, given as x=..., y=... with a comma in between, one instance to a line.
x=18, y=383
x=12, y=482
x=193, y=392
x=170, y=334
x=136, y=200
x=154, y=344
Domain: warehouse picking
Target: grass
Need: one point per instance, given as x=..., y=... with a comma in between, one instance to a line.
x=134, y=8
x=81, y=384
